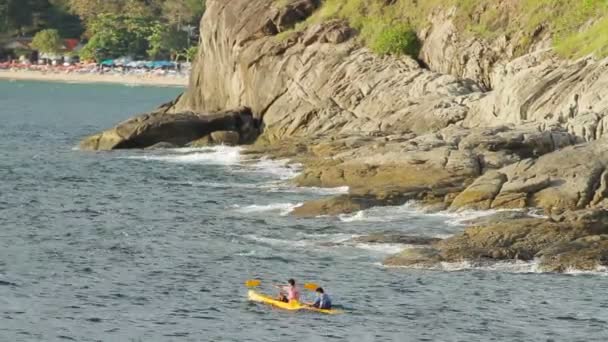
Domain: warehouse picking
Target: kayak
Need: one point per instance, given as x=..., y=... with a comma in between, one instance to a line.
x=292, y=306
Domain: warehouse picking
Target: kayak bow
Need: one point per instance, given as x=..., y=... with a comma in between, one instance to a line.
x=292, y=306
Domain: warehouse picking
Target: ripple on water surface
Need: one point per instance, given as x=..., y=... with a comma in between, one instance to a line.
x=155, y=246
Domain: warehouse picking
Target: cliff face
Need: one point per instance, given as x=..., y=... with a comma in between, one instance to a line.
x=314, y=82
x=470, y=124
x=320, y=80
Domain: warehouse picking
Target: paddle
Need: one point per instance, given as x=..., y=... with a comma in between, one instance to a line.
x=255, y=282
x=252, y=283
x=311, y=286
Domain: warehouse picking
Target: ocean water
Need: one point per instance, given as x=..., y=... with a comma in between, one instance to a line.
x=156, y=246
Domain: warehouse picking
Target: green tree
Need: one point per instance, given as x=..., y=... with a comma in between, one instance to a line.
x=137, y=28
x=119, y=35
x=166, y=41
x=3, y=16
x=191, y=53
x=24, y=17
x=88, y=10
x=47, y=41
x=398, y=39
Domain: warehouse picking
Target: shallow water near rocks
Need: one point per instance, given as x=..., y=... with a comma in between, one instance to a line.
x=156, y=246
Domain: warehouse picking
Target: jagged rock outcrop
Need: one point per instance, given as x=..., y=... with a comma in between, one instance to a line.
x=576, y=240
x=175, y=129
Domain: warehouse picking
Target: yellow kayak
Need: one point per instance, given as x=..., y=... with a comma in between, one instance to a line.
x=293, y=305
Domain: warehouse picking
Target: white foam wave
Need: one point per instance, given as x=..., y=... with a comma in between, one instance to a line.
x=278, y=242
x=599, y=270
x=246, y=254
x=283, y=208
x=358, y=216
x=412, y=209
x=383, y=248
x=184, y=150
x=346, y=240
x=280, y=168
x=222, y=185
x=309, y=190
x=336, y=238
x=537, y=213
x=516, y=266
x=442, y=236
x=217, y=155
x=510, y=266
x=382, y=214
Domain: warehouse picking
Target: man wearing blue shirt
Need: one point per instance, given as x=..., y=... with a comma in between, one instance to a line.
x=323, y=301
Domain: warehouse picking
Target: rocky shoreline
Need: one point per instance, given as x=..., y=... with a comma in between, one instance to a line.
x=486, y=133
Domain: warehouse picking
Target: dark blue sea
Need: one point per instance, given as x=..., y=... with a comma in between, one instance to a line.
x=157, y=245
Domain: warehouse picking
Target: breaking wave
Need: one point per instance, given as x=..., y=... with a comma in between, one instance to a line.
x=507, y=266
x=283, y=208
x=216, y=155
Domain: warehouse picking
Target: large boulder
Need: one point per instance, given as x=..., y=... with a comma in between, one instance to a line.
x=177, y=129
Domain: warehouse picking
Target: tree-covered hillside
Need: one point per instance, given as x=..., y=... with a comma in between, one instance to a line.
x=25, y=17
x=112, y=28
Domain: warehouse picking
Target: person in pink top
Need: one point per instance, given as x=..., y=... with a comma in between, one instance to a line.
x=289, y=292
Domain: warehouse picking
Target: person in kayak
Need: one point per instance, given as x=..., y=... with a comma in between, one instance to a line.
x=323, y=301
x=288, y=292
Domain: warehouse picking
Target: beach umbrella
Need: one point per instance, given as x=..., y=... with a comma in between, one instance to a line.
x=122, y=61
x=134, y=64
x=163, y=64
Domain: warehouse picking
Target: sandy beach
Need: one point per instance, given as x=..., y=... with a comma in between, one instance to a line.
x=131, y=79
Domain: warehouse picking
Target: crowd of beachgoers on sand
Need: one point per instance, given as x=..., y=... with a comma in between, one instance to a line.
x=109, y=71
x=140, y=68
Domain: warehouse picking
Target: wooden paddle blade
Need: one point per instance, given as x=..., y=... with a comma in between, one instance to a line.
x=311, y=286
x=252, y=283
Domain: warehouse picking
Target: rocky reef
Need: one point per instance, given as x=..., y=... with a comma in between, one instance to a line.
x=468, y=124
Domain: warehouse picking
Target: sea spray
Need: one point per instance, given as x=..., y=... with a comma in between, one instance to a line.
x=217, y=155
x=283, y=208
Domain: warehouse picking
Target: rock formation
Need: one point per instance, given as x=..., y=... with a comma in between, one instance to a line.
x=154, y=129
x=575, y=241
x=471, y=124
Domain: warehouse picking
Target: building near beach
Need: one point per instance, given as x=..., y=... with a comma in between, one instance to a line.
x=21, y=48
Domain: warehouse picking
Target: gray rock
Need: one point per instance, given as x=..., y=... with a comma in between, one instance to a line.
x=176, y=129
